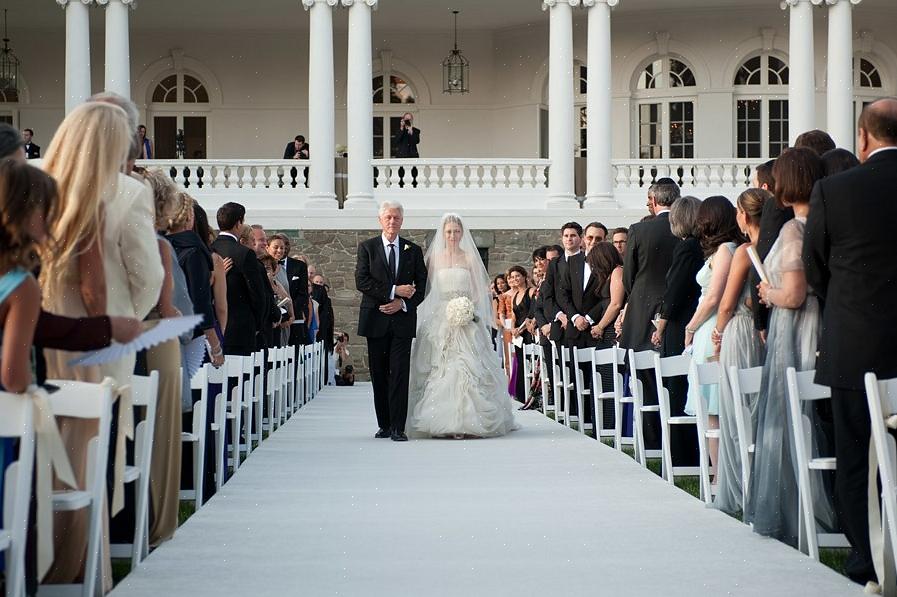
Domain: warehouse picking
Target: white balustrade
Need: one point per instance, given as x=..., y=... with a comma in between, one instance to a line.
x=233, y=175
x=461, y=174
x=695, y=175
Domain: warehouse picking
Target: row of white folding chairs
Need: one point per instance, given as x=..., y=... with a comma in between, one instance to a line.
x=279, y=385
x=882, y=398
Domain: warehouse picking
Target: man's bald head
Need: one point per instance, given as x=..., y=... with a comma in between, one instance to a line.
x=877, y=127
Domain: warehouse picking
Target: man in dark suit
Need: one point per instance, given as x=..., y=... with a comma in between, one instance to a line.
x=245, y=298
x=649, y=253
x=545, y=308
x=297, y=149
x=326, y=318
x=297, y=274
x=392, y=277
x=32, y=150
x=405, y=144
x=270, y=313
x=849, y=253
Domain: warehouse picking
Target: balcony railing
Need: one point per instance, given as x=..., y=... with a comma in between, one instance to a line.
x=233, y=175
x=699, y=174
x=412, y=175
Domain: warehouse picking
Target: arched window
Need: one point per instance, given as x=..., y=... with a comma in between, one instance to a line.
x=180, y=102
x=664, y=97
x=761, y=107
x=867, y=84
x=389, y=108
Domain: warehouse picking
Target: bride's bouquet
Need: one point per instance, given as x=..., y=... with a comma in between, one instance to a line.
x=460, y=311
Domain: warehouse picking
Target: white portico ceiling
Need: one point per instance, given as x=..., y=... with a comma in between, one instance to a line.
x=415, y=15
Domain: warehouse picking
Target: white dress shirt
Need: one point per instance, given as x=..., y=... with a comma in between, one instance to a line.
x=395, y=274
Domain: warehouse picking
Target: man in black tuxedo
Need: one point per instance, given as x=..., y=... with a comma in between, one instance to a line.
x=245, y=296
x=270, y=313
x=326, y=317
x=32, y=150
x=649, y=253
x=392, y=277
x=405, y=144
x=848, y=253
x=297, y=149
x=297, y=274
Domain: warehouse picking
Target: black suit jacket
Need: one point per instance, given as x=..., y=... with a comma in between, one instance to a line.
x=290, y=152
x=375, y=282
x=245, y=298
x=297, y=274
x=649, y=254
x=772, y=219
x=32, y=151
x=405, y=143
x=325, y=316
x=576, y=300
x=269, y=313
x=682, y=294
x=848, y=253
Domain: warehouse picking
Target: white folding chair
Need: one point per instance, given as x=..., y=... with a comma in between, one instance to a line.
x=557, y=385
x=272, y=393
x=310, y=372
x=196, y=437
x=665, y=367
x=801, y=388
x=285, y=389
x=258, y=394
x=700, y=376
x=582, y=393
x=81, y=400
x=882, y=398
x=144, y=394
x=744, y=383
x=612, y=357
x=544, y=364
x=641, y=361
x=218, y=404
x=322, y=374
x=290, y=375
x=16, y=422
x=233, y=370
x=249, y=402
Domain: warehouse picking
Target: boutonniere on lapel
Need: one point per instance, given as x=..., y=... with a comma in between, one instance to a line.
x=407, y=246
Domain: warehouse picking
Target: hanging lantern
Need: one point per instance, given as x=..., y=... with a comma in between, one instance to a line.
x=9, y=68
x=455, y=68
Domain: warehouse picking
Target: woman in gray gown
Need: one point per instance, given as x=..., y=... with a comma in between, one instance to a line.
x=791, y=342
x=737, y=345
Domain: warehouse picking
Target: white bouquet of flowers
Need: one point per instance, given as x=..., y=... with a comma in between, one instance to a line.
x=460, y=311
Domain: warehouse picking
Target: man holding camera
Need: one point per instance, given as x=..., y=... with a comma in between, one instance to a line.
x=405, y=145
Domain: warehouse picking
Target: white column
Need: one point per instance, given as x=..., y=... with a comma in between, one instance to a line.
x=77, y=52
x=801, y=80
x=839, y=85
x=321, y=111
x=560, y=103
x=359, y=105
x=599, y=173
x=118, y=46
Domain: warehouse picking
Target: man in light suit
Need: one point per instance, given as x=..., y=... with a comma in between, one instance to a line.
x=848, y=253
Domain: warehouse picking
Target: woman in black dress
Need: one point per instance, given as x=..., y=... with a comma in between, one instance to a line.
x=521, y=302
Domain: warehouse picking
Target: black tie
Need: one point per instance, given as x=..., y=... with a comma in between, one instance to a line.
x=392, y=261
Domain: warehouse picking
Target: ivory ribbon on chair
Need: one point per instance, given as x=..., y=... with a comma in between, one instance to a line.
x=51, y=456
x=125, y=432
x=876, y=534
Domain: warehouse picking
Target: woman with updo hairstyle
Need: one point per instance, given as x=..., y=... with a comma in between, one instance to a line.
x=717, y=230
x=791, y=341
x=737, y=344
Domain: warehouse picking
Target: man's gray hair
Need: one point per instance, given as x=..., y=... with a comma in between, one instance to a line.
x=684, y=216
x=664, y=192
x=122, y=102
x=390, y=205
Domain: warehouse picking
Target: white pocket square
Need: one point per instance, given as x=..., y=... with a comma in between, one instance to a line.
x=294, y=278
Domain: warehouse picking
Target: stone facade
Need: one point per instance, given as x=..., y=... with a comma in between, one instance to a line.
x=334, y=255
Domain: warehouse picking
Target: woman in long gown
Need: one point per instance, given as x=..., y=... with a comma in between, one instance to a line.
x=737, y=345
x=457, y=387
x=718, y=232
x=521, y=298
x=791, y=342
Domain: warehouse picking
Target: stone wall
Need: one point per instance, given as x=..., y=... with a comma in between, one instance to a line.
x=334, y=255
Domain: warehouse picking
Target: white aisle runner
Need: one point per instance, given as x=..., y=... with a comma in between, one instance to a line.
x=323, y=508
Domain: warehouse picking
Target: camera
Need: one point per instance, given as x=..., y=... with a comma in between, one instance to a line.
x=407, y=122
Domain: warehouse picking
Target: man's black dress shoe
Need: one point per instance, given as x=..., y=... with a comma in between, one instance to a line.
x=399, y=436
x=382, y=434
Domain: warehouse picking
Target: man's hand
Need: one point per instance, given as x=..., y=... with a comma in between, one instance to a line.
x=405, y=291
x=562, y=317
x=124, y=329
x=582, y=324
x=545, y=329
x=392, y=307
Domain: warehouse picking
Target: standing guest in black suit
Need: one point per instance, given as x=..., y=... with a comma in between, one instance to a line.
x=405, y=146
x=545, y=309
x=772, y=219
x=392, y=278
x=245, y=290
x=835, y=161
x=32, y=150
x=649, y=254
x=849, y=253
x=326, y=323
x=297, y=275
x=271, y=313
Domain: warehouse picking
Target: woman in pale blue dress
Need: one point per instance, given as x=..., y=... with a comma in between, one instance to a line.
x=791, y=342
x=717, y=229
x=738, y=345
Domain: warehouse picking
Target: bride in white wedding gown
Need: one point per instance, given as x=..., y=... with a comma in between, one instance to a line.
x=457, y=387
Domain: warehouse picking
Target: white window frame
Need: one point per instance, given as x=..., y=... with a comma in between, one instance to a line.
x=386, y=110
x=763, y=92
x=663, y=95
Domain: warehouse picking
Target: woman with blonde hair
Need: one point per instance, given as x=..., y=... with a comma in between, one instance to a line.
x=104, y=261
